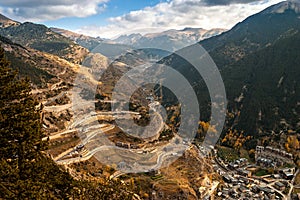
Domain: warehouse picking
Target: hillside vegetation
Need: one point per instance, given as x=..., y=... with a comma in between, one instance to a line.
x=26, y=171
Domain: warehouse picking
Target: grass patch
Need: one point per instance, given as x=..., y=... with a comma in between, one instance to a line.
x=261, y=172
x=244, y=154
x=288, y=165
x=226, y=153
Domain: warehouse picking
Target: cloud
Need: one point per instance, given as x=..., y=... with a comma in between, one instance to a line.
x=178, y=14
x=42, y=10
x=227, y=2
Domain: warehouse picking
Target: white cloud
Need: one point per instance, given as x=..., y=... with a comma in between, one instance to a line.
x=178, y=14
x=42, y=10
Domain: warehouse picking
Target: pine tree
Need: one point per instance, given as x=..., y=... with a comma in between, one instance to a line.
x=21, y=135
x=25, y=171
x=20, y=131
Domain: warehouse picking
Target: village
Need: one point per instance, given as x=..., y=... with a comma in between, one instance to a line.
x=245, y=180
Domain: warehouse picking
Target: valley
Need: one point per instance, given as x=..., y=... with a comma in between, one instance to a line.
x=104, y=141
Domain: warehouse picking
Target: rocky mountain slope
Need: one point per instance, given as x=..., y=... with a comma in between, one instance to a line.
x=42, y=68
x=171, y=39
x=105, y=47
x=259, y=63
x=258, y=60
x=6, y=22
x=254, y=33
x=83, y=40
x=41, y=38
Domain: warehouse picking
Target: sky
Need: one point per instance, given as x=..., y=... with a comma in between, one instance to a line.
x=111, y=18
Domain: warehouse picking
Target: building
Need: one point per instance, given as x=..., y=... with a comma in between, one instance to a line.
x=227, y=178
x=243, y=189
x=280, y=186
x=243, y=172
x=266, y=190
x=242, y=162
x=272, y=157
x=287, y=173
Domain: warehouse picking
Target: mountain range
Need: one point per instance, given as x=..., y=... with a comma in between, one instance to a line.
x=258, y=59
x=259, y=63
x=260, y=100
x=171, y=40
x=41, y=38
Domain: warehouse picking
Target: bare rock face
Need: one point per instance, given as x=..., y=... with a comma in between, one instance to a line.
x=96, y=62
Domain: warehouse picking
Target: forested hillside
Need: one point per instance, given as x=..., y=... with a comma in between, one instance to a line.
x=259, y=63
x=42, y=38
x=26, y=171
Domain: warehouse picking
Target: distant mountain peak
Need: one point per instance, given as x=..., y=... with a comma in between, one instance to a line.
x=170, y=39
x=284, y=6
x=191, y=29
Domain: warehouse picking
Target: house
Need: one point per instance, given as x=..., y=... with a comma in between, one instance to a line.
x=287, y=174
x=267, y=190
x=245, y=180
x=280, y=186
x=276, y=176
x=243, y=172
x=278, y=157
x=255, y=189
x=232, y=166
x=228, y=178
x=243, y=189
